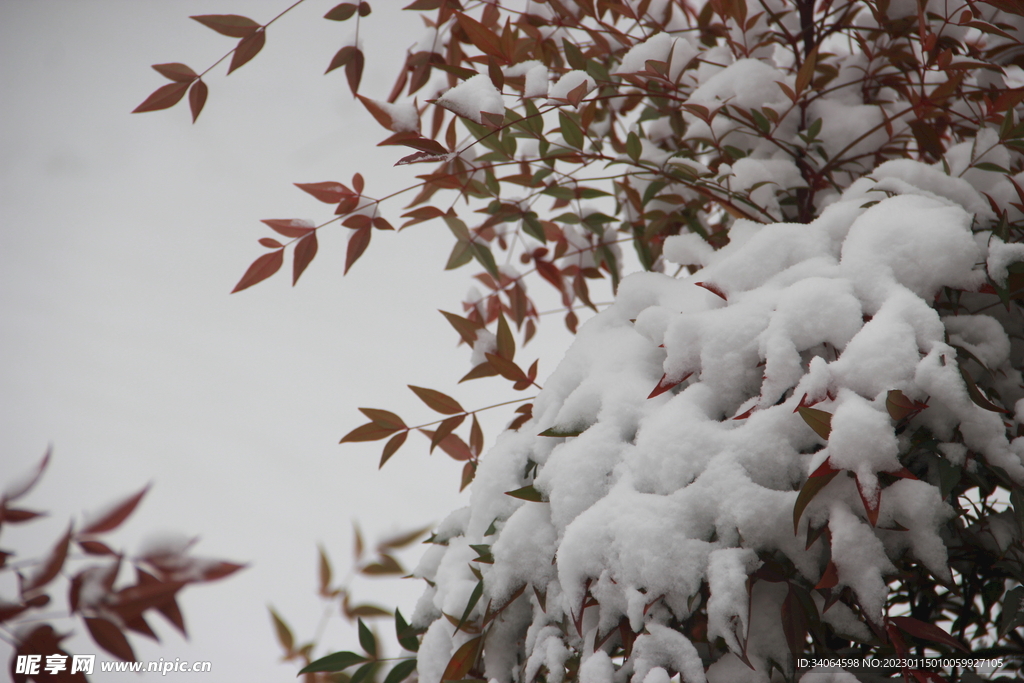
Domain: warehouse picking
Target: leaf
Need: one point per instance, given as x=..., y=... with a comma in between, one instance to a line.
x=368, y=432
x=164, y=97
x=289, y=227
x=399, y=672
x=818, y=420
x=794, y=621
x=305, y=251
x=354, y=70
x=506, y=368
x=829, y=578
x=571, y=131
x=387, y=565
x=334, y=662
x=900, y=407
x=666, y=384
x=177, y=72
x=559, y=432
x=633, y=147
x=231, y=25
x=462, y=253
x=197, y=98
x=468, y=474
x=327, y=192
x=976, y=394
x=466, y=328
x=437, y=401
x=284, y=634
x=49, y=568
x=476, y=437
x=452, y=444
x=405, y=634
x=110, y=638
x=1012, y=614
x=527, y=493
x=247, y=48
x=367, y=640
x=341, y=12
x=806, y=73
x=486, y=259
x=463, y=660
x=482, y=37
x=402, y=539
x=506, y=343
x=357, y=243
x=924, y=631
x=113, y=518
x=260, y=270
x=392, y=446
x=474, y=597
x=818, y=480
x=24, y=484
x=341, y=58
x=364, y=9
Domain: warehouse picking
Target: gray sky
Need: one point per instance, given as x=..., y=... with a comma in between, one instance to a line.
x=123, y=235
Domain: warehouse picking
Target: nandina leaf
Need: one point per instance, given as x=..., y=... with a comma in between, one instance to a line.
x=327, y=192
x=23, y=485
x=900, y=407
x=818, y=480
x=506, y=343
x=468, y=474
x=403, y=539
x=260, y=270
x=474, y=598
x=305, y=250
x=794, y=621
x=341, y=58
x=806, y=73
x=357, y=244
x=354, y=70
x=164, y=97
x=486, y=40
x=872, y=502
x=247, y=48
x=576, y=95
x=17, y=516
x=364, y=9
x=96, y=548
x=976, y=394
x=392, y=446
x=378, y=112
x=367, y=640
x=324, y=572
x=416, y=141
x=177, y=72
x=925, y=631
x=231, y=25
x=818, y=420
x=558, y=432
x=387, y=565
x=48, y=570
x=466, y=328
x=384, y=418
x=452, y=444
x=444, y=429
x=406, y=635
x=337, y=661
x=527, y=493
x=506, y=368
x=829, y=578
x=358, y=183
x=110, y=638
x=284, y=634
x=665, y=384
x=463, y=660
x=368, y=432
x=270, y=243
x=289, y=227
x=437, y=401
x=401, y=671
x=341, y=12
x=714, y=289
x=197, y=98
x=484, y=369
x=113, y=518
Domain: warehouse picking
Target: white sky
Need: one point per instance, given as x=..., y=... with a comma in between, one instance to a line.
x=123, y=235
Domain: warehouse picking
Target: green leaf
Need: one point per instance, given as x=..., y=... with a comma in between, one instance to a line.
x=367, y=640
x=761, y=122
x=1013, y=611
x=483, y=552
x=401, y=671
x=506, y=342
x=818, y=420
x=483, y=254
x=474, y=597
x=573, y=55
x=334, y=662
x=986, y=166
x=463, y=659
x=406, y=634
x=527, y=493
x=533, y=228
x=634, y=147
x=364, y=672
x=462, y=253
x=571, y=130
x=559, y=432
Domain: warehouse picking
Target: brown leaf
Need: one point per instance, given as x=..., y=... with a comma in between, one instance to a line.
x=305, y=250
x=485, y=369
x=468, y=474
x=818, y=420
x=248, y=48
x=24, y=484
x=506, y=343
x=486, y=40
x=17, y=515
x=378, y=112
x=384, y=418
x=289, y=227
x=231, y=25
x=444, y=429
x=260, y=270
x=50, y=567
x=453, y=445
x=354, y=71
x=463, y=660
x=506, y=368
x=177, y=72
x=830, y=577
x=387, y=565
x=112, y=518
x=368, y=432
x=110, y=638
x=665, y=384
x=327, y=192
x=435, y=400
x=284, y=634
x=197, y=98
x=164, y=97
x=341, y=12
x=818, y=480
x=341, y=58
x=270, y=243
x=925, y=631
x=96, y=548
x=357, y=244
x=392, y=446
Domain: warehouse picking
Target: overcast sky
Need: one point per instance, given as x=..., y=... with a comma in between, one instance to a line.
x=123, y=235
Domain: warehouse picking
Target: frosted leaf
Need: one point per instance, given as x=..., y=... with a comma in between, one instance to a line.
x=569, y=82
x=472, y=97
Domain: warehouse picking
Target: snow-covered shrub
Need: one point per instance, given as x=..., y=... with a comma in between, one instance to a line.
x=800, y=430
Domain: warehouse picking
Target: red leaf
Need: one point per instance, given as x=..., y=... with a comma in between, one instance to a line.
x=871, y=503
x=289, y=227
x=176, y=71
x=197, y=98
x=712, y=288
x=260, y=270
x=920, y=629
x=506, y=368
x=327, y=192
x=435, y=400
x=364, y=9
x=219, y=570
x=51, y=566
x=110, y=638
x=900, y=407
x=392, y=446
x=384, y=418
x=357, y=244
x=113, y=518
x=463, y=660
x=482, y=37
x=231, y=25
x=23, y=485
x=248, y=48
x=17, y=516
x=415, y=141
x=421, y=157
x=96, y=548
x=453, y=445
x=381, y=223
x=164, y=97
x=354, y=70
x=664, y=384
x=468, y=474
x=383, y=118
x=368, y=432
x=341, y=12
x=830, y=578
x=818, y=480
x=341, y=58
x=358, y=183
x=794, y=622
x=305, y=250
x=270, y=243
x=465, y=327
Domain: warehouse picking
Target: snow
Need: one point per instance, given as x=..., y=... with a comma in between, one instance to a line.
x=472, y=97
x=569, y=82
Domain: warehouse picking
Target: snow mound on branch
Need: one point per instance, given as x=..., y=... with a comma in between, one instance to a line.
x=472, y=97
x=666, y=505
